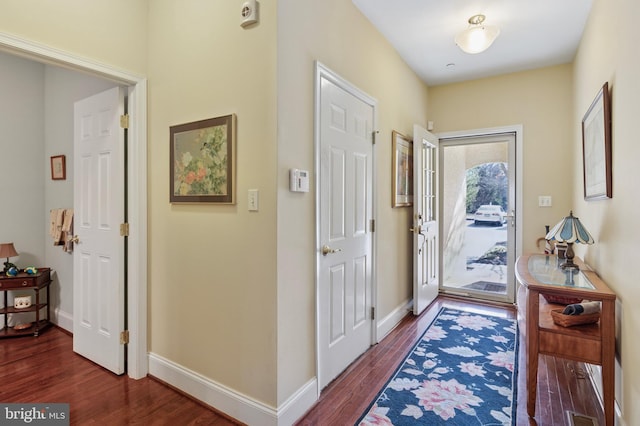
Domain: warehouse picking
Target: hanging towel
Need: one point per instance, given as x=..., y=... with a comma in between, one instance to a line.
x=57, y=225
x=67, y=230
x=52, y=222
x=582, y=308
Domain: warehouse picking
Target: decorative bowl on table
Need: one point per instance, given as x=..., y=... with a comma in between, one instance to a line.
x=569, y=320
x=22, y=326
x=21, y=302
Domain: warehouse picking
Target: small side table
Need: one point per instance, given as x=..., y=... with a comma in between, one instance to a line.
x=35, y=283
x=591, y=343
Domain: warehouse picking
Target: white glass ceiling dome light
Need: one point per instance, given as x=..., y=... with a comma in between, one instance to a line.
x=478, y=37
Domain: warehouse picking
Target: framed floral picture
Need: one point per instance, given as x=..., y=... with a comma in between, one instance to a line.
x=203, y=161
x=402, y=170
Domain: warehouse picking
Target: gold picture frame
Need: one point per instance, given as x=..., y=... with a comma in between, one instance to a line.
x=402, y=170
x=596, y=147
x=203, y=161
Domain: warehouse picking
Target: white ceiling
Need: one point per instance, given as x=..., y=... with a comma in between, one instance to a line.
x=533, y=34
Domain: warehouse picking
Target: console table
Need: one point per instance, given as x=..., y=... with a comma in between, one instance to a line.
x=591, y=343
x=34, y=284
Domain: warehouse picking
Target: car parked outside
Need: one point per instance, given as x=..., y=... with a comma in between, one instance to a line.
x=489, y=214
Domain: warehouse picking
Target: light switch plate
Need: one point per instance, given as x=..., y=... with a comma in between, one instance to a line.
x=544, y=201
x=253, y=200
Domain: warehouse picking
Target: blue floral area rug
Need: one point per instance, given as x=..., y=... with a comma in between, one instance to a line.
x=461, y=372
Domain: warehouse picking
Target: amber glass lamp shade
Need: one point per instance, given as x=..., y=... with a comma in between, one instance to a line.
x=7, y=250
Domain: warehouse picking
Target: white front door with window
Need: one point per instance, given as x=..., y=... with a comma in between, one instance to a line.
x=98, y=255
x=478, y=181
x=345, y=246
x=426, y=252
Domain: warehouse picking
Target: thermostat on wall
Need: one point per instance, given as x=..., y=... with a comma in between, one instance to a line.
x=298, y=180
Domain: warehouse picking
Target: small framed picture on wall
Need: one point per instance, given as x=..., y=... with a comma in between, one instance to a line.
x=58, y=167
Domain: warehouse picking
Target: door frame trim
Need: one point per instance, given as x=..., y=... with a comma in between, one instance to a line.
x=137, y=360
x=517, y=129
x=321, y=71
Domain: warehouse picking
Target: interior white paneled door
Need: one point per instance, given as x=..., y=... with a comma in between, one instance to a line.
x=345, y=241
x=98, y=256
x=426, y=251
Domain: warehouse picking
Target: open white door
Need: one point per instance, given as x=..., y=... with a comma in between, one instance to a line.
x=425, y=219
x=98, y=255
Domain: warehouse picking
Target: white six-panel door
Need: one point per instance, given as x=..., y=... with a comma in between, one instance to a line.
x=98, y=256
x=345, y=241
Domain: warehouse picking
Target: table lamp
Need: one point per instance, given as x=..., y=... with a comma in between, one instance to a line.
x=7, y=250
x=570, y=230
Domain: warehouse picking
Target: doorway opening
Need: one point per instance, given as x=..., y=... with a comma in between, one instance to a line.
x=478, y=227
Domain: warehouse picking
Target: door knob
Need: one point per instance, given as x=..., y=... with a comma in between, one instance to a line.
x=74, y=239
x=327, y=250
x=416, y=230
x=511, y=216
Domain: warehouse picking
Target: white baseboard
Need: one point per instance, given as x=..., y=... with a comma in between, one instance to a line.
x=594, y=372
x=298, y=403
x=388, y=323
x=62, y=319
x=231, y=402
x=218, y=396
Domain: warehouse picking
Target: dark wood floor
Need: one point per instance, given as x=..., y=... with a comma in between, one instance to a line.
x=562, y=384
x=45, y=369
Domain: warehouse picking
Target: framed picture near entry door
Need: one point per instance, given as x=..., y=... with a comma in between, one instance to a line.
x=402, y=170
x=596, y=147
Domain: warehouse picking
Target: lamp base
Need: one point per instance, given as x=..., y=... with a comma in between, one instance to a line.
x=569, y=255
x=8, y=265
x=570, y=265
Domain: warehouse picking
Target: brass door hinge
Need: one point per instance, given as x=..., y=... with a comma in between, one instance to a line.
x=124, y=229
x=373, y=313
x=372, y=225
x=124, y=337
x=373, y=136
x=124, y=121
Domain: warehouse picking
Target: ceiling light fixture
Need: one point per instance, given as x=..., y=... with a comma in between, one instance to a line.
x=478, y=37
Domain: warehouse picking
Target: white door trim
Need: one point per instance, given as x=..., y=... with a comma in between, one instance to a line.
x=518, y=130
x=322, y=72
x=137, y=185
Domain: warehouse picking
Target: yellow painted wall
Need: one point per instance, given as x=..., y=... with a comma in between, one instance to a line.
x=609, y=52
x=335, y=33
x=541, y=101
x=112, y=32
x=212, y=268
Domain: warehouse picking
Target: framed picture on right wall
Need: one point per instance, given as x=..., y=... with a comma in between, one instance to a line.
x=596, y=147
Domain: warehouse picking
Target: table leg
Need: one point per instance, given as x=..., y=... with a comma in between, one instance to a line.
x=37, y=331
x=607, y=329
x=533, y=306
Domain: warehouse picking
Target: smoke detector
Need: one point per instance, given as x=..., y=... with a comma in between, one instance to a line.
x=249, y=13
